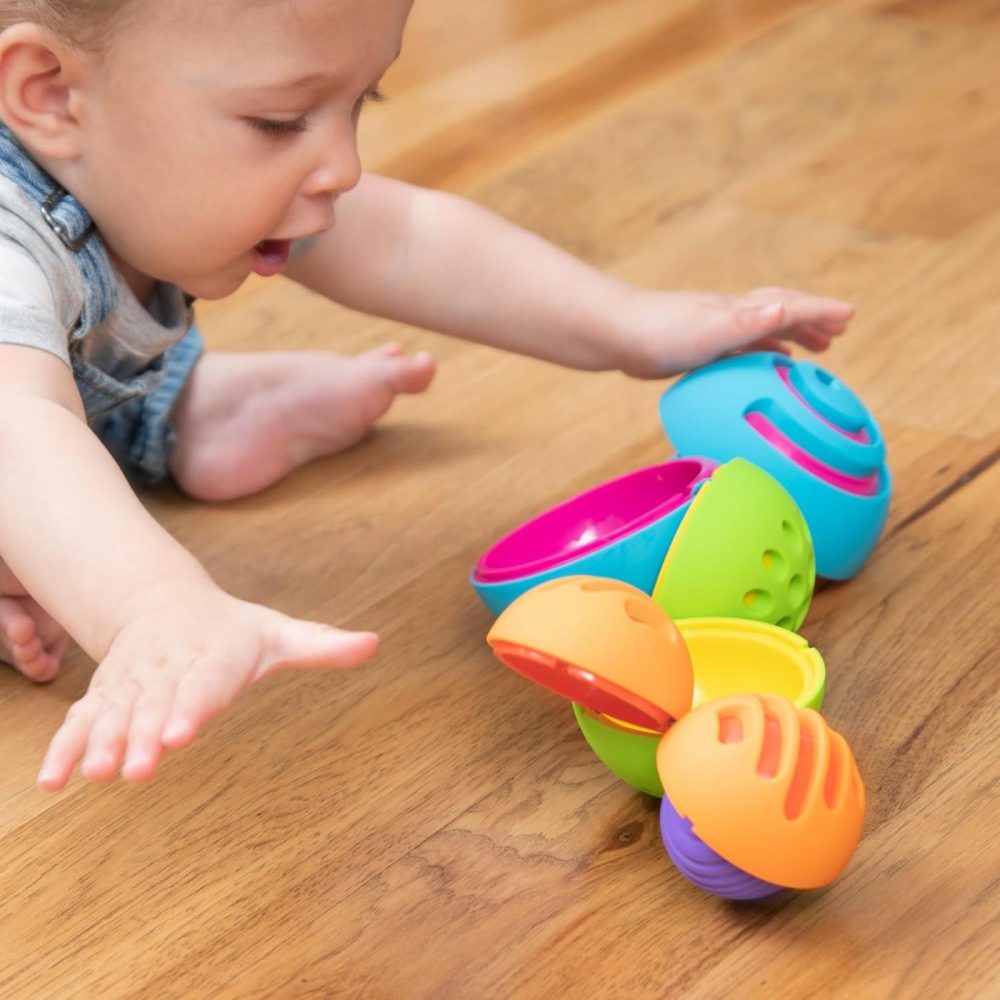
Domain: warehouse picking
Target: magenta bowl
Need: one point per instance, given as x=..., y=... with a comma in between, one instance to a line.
x=620, y=529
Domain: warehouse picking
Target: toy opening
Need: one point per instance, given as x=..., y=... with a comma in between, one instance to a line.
x=599, y=695
x=730, y=658
x=865, y=486
x=593, y=519
x=859, y=432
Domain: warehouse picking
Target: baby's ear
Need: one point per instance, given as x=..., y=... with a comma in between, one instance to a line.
x=39, y=77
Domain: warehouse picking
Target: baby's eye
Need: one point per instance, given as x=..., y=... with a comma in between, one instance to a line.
x=373, y=96
x=271, y=127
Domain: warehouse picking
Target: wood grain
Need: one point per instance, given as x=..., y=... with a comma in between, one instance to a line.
x=434, y=826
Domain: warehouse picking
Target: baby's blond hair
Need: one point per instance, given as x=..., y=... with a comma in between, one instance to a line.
x=85, y=24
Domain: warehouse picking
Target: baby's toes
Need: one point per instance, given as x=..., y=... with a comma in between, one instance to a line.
x=106, y=743
x=26, y=645
x=53, y=635
x=24, y=652
x=39, y=667
x=16, y=625
x=411, y=374
x=390, y=350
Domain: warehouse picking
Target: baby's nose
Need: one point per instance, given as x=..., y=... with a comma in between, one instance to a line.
x=339, y=174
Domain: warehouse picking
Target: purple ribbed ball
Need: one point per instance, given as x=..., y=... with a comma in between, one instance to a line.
x=703, y=866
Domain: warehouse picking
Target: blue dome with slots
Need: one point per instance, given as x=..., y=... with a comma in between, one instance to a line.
x=806, y=428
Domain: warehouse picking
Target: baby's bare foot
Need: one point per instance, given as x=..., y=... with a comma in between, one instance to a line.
x=247, y=420
x=31, y=640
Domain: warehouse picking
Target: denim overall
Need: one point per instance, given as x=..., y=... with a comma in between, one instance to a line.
x=131, y=416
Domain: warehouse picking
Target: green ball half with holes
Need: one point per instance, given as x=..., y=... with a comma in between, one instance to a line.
x=742, y=551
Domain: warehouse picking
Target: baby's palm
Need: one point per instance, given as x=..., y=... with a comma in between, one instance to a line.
x=168, y=674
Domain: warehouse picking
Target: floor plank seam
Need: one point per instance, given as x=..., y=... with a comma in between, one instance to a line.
x=967, y=477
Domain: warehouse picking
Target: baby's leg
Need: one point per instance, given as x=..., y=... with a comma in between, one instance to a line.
x=31, y=640
x=244, y=421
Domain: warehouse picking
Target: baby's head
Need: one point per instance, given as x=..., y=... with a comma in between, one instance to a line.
x=194, y=129
x=86, y=25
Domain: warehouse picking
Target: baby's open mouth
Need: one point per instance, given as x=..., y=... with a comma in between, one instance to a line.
x=270, y=256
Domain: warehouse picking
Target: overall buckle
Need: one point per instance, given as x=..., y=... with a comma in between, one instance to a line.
x=59, y=227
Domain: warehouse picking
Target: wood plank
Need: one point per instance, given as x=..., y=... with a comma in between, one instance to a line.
x=456, y=126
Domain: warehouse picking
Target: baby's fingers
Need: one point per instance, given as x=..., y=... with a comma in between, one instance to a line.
x=817, y=303
x=767, y=344
x=304, y=645
x=808, y=335
x=145, y=735
x=202, y=693
x=106, y=742
x=802, y=309
x=68, y=744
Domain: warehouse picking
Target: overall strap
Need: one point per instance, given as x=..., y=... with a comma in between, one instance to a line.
x=70, y=222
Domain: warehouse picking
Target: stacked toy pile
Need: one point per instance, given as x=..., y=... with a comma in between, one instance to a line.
x=664, y=604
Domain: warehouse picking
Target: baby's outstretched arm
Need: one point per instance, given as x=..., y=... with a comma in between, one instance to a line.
x=172, y=648
x=438, y=261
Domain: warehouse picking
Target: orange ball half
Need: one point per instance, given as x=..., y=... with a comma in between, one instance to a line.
x=601, y=643
x=771, y=788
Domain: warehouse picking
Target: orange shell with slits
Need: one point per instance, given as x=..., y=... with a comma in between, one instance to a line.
x=602, y=643
x=771, y=788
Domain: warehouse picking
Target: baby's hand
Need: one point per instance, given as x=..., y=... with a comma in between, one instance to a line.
x=663, y=333
x=172, y=668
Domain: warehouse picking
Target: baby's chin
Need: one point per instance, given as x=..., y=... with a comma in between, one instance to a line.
x=215, y=286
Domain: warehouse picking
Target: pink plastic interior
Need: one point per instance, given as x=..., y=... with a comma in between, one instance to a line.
x=784, y=373
x=593, y=519
x=865, y=486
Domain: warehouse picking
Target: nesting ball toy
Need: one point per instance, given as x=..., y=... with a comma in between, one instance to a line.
x=664, y=605
x=620, y=529
x=805, y=427
x=758, y=796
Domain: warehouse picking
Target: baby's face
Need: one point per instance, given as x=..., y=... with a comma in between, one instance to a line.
x=217, y=124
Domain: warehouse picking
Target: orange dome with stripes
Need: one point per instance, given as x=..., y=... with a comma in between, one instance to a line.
x=602, y=643
x=771, y=788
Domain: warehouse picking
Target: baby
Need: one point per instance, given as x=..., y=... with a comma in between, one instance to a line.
x=152, y=153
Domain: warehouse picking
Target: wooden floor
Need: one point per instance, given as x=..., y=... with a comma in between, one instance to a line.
x=434, y=826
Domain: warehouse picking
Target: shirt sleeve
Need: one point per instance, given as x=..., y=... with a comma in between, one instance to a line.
x=28, y=313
